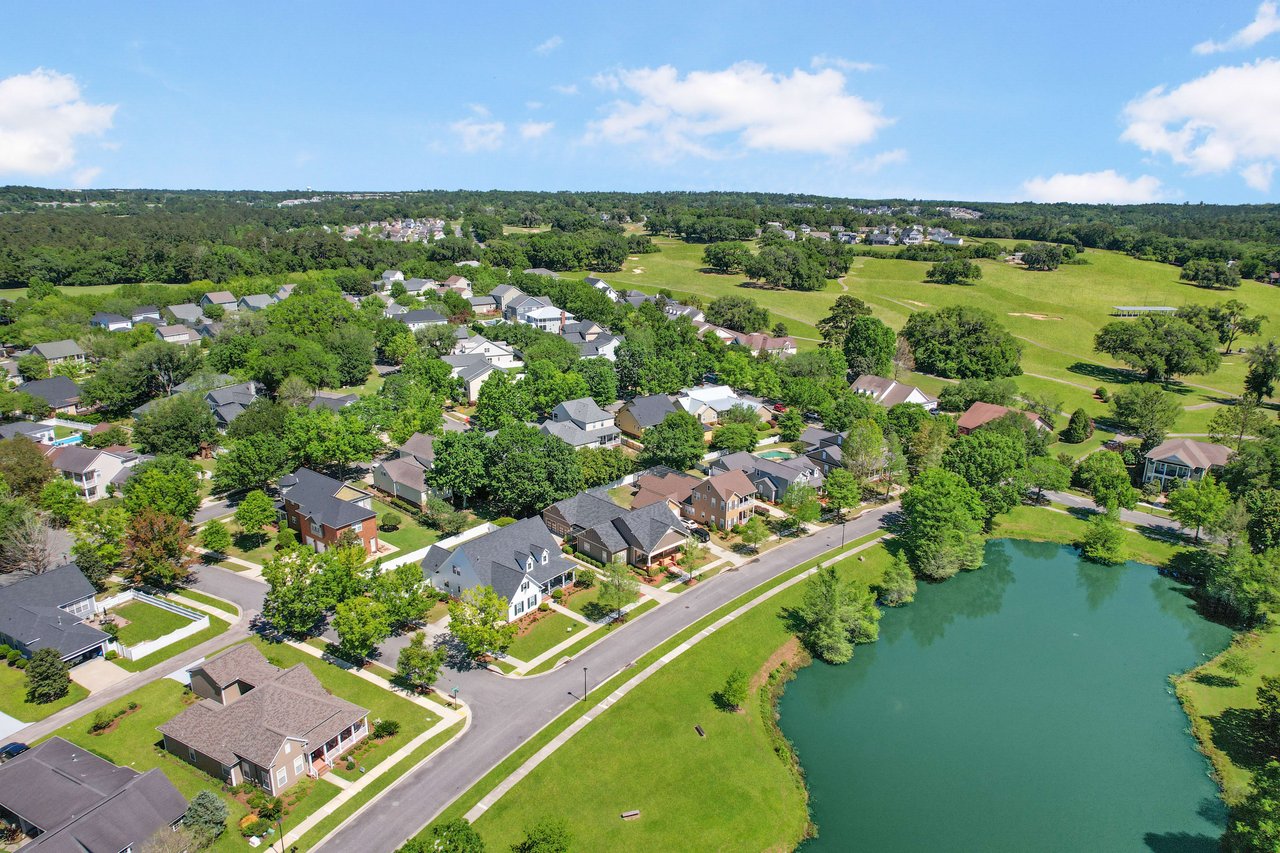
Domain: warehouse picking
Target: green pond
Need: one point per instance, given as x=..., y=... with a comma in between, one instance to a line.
x=1024, y=706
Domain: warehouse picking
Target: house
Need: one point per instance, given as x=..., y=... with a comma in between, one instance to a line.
x=420, y=318
x=759, y=342
x=522, y=562
x=56, y=352
x=605, y=346
x=472, y=369
x=258, y=723
x=332, y=400
x=1183, y=459
x=643, y=413
x=635, y=298
x=228, y=402
x=389, y=276
x=46, y=611
x=824, y=448
x=69, y=800
x=722, y=500
x=59, y=393
x=483, y=304
x=771, y=477
x=404, y=474
x=537, y=311
x=256, y=302
x=671, y=487
x=708, y=403
x=203, y=382
x=981, y=414
x=571, y=516
x=186, y=313
x=39, y=433
x=675, y=310
x=146, y=314
x=284, y=291
x=505, y=295
x=604, y=287
x=582, y=423
x=209, y=330
x=110, y=322
x=640, y=537
x=418, y=286
x=394, y=310
x=542, y=271
x=177, y=335
x=890, y=392
x=497, y=353
x=94, y=470
x=459, y=285
x=222, y=298
x=321, y=509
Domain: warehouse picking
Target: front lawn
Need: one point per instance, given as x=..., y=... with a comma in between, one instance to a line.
x=134, y=742
x=587, y=602
x=13, y=696
x=381, y=702
x=409, y=536
x=144, y=621
x=550, y=630
x=216, y=627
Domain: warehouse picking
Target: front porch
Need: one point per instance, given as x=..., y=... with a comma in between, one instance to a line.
x=322, y=759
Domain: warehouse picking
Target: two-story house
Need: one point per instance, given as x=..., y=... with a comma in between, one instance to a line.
x=521, y=562
x=771, y=477
x=890, y=392
x=608, y=533
x=221, y=298
x=722, y=500
x=497, y=353
x=321, y=509
x=404, y=473
x=229, y=401
x=94, y=470
x=1183, y=459
x=421, y=318
x=110, y=322
x=56, y=352
x=258, y=723
x=58, y=392
x=582, y=423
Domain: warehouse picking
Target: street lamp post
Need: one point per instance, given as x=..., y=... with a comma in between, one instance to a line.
x=584, y=684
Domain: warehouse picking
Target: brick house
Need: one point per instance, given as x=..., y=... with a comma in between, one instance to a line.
x=320, y=509
x=258, y=723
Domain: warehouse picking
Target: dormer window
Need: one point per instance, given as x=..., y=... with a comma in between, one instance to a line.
x=545, y=556
x=528, y=565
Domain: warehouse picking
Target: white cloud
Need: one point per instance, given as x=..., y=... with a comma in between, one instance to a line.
x=822, y=60
x=1264, y=23
x=1106, y=187
x=535, y=129
x=533, y=105
x=477, y=135
x=706, y=112
x=566, y=89
x=548, y=46
x=42, y=115
x=1221, y=121
x=877, y=162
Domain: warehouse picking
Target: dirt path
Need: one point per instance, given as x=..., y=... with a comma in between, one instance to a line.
x=1063, y=381
x=791, y=653
x=843, y=286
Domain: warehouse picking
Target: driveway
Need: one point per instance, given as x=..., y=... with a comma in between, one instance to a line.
x=98, y=674
x=9, y=726
x=507, y=712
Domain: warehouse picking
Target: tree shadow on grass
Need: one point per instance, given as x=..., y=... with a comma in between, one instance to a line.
x=595, y=611
x=1102, y=373
x=1211, y=680
x=1239, y=733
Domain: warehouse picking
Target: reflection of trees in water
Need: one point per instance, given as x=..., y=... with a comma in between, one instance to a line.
x=972, y=594
x=1099, y=582
x=1175, y=599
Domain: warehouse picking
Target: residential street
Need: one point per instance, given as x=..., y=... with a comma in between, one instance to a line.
x=1132, y=516
x=507, y=712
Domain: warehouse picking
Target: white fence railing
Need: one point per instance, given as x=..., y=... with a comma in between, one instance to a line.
x=199, y=621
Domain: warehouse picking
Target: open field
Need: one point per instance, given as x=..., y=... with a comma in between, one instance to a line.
x=1055, y=314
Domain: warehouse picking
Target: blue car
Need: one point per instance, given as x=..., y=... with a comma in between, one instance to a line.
x=12, y=750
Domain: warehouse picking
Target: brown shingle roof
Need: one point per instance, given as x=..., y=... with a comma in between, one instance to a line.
x=731, y=483
x=652, y=488
x=238, y=663
x=984, y=413
x=1196, y=454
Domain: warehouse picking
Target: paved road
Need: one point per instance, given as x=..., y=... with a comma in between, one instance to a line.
x=1147, y=519
x=247, y=595
x=507, y=712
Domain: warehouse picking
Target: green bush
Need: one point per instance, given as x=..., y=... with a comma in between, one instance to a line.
x=503, y=522
x=391, y=521
x=286, y=538
x=13, y=657
x=21, y=663
x=584, y=579
x=386, y=728
x=4, y=651
x=255, y=827
x=544, y=607
x=101, y=720
x=1102, y=393
x=557, y=595
x=112, y=654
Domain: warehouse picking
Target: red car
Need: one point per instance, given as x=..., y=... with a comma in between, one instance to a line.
x=778, y=407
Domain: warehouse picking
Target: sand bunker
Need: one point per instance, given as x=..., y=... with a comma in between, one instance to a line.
x=920, y=304
x=637, y=270
x=1033, y=316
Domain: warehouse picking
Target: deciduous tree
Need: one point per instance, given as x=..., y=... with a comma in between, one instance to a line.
x=942, y=524
x=419, y=664
x=361, y=623
x=1199, y=503
x=478, y=619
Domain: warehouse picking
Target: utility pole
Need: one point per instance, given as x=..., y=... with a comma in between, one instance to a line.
x=584, y=684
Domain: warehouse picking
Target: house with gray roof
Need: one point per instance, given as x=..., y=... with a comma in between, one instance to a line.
x=186, y=313
x=39, y=433
x=522, y=562
x=404, y=473
x=420, y=318
x=204, y=382
x=1184, y=459
x=332, y=400
x=321, y=509
x=68, y=800
x=582, y=423
x=46, y=611
x=261, y=724
x=644, y=413
x=177, y=334
x=771, y=477
x=228, y=402
x=94, y=471
x=110, y=322
x=640, y=537
x=483, y=304
x=472, y=369
x=284, y=291
x=56, y=352
x=145, y=314
x=222, y=298
x=256, y=301
x=506, y=294
x=58, y=392
x=543, y=271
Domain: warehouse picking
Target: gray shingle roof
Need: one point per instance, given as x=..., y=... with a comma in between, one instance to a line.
x=468, y=367
x=575, y=436
x=57, y=349
x=422, y=315
x=586, y=510
x=83, y=802
x=186, y=312
x=26, y=428
x=316, y=497
x=57, y=391
x=421, y=447
x=583, y=410
x=105, y=317
x=74, y=458
x=30, y=614
x=499, y=557
x=258, y=300
x=649, y=411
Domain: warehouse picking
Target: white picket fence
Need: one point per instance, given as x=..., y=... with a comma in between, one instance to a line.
x=199, y=621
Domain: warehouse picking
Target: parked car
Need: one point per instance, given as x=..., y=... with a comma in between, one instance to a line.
x=12, y=750
x=701, y=534
x=779, y=408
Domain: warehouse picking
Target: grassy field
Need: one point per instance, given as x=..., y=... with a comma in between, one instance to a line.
x=146, y=622
x=13, y=696
x=134, y=743
x=409, y=536
x=216, y=627
x=1055, y=315
x=216, y=603
x=673, y=776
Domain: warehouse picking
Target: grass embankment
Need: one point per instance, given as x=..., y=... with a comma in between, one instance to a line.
x=13, y=696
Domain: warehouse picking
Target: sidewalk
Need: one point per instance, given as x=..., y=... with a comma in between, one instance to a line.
x=577, y=725
x=446, y=713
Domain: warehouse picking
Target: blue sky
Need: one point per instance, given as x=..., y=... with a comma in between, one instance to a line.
x=1095, y=101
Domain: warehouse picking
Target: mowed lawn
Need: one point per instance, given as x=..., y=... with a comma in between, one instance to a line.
x=146, y=622
x=13, y=696
x=1055, y=314
x=549, y=631
x=643, y=753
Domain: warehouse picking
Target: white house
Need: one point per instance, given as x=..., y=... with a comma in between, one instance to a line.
x=582, y=423
x=1183, y=459
x=497, y=353
x=708, y=403
x=110, y=322
x=890, y=392
x=420, y=318
x=177, y=335
x=222, y=298
x=472, y=369
x=93, y=471
x=604, y=287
